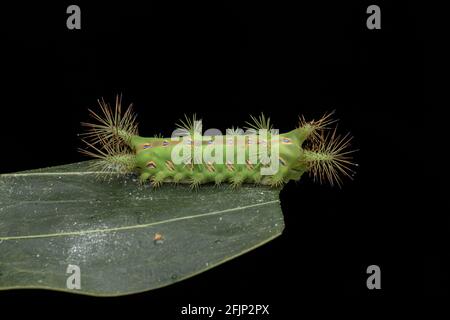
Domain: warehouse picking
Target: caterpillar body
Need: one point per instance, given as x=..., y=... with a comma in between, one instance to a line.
x=260, y=155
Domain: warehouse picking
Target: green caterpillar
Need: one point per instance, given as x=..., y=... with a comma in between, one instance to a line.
x=259, y=156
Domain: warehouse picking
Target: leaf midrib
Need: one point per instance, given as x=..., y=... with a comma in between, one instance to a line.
x=138, y=226
x=72, y=173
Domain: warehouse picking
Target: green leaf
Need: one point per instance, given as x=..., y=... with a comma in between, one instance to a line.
x=55, y=217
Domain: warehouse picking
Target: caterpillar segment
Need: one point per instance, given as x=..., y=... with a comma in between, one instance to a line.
x=237, y=157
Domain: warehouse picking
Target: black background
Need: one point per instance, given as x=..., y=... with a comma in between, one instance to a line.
x=225, y=61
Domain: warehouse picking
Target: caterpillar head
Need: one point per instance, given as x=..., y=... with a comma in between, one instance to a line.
x=108, y=138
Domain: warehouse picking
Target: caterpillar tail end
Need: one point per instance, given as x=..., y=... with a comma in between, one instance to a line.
x=329, y=158
x=111, y=124
x=312, y=130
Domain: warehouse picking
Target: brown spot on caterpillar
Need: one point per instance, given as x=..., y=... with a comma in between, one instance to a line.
x=286, y=141
x=230, y=166
x=165, y=143
x=170, y=165
x=146, y=146
x=151, y=165
x=249, y=164
x=210, y=167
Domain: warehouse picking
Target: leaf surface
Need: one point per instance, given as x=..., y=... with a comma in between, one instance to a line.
x=124, y=237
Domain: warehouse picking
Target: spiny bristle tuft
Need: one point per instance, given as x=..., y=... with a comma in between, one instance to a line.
x=318, y=126
x=258, y=123
x=234, y=131
x=277, y=181
x=195, y=181
x=110, y=158
x=190, y=125
x=236, y=181
x=157, y=180
x=330, y=158
x=110, y=124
